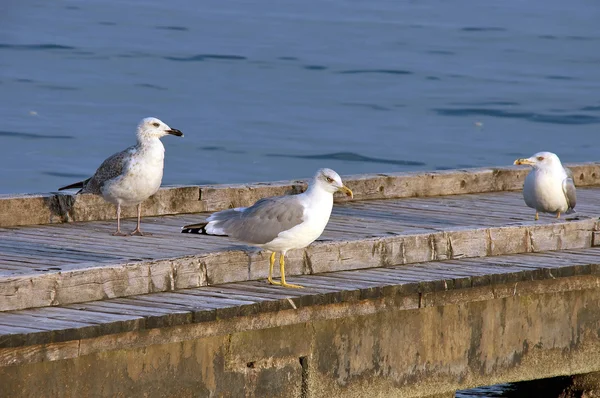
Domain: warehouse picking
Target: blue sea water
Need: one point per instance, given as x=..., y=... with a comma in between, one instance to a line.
x=269, y=90
x=274, y=90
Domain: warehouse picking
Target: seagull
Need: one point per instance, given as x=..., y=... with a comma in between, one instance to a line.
x=129, y=177
x=549, y=187
x=279, y=223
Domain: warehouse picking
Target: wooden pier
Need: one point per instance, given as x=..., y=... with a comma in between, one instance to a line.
x=426, y=283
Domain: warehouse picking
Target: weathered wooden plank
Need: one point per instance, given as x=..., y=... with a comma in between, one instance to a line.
x=403, y=274
x=85, y=316
x=57, y=208
x=94, y=283
x=205, y=304
x=174, y=314
x=344, y=250
x=32, y=264
x=321, y=285
x=102, y=243
x=49, y=330
x=183, y=300
x=153, y=317
x=41, y=249
x=19, y=265
x=265, y=289
x=235, y=293
x=99, y=283
x=126, y=246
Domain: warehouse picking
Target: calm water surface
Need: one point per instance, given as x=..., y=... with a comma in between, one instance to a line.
x=274, y=90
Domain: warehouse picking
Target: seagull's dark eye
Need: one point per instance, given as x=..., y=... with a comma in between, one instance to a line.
x=540, y=158
x=329, y=179
x=155, y=124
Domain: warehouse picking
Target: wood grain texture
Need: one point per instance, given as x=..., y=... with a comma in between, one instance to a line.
x=53, y=208
x=58, y=264
x=435, y=283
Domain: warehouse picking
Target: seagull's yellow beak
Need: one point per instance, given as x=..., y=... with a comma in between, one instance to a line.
x=524, y=161
x=346, y=190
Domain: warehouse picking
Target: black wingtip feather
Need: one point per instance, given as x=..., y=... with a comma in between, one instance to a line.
x=78, y=184
x=200, y=231
x=72, y=186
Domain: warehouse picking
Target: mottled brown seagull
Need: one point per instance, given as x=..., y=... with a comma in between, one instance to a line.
x=129, y=177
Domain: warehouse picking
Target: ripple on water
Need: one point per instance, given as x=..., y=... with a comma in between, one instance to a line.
x=580, y=38
x=487, y=103
x=152, y=86
x=483, y=29
x=221, y=149
x=65, y=175
x=204, y=57
x=374, y=107
x=56, y=87
x=383, y=71
x=49, y=46
x=33, y=136
x=351, y=157
x=177, y=28
x=591, y=108
x=135, y=54
x=315, y=67
x=486, y=392
x=440, y=52
x=559, y=77
x=573, y=38
x=572, y=119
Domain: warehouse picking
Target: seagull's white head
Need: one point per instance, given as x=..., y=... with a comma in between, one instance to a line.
x=152, y=127
x=541, y=160
x=330, y=181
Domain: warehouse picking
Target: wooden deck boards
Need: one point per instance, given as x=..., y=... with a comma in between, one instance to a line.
x=208, y=303
x=55, y=264
x=40, y=247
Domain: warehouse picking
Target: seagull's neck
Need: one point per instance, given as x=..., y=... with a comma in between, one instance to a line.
x=148, y=142
x=151, y=147
x=554, y=169
x=317, y=193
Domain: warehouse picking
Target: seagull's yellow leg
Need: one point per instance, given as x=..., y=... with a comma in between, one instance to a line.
x=282, y=269
x=558, y=214
x=537, y=216
x=271, y=262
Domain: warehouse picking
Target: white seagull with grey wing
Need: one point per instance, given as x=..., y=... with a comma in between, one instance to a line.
x=549, y=187
x=129, y=177
x=279, y=223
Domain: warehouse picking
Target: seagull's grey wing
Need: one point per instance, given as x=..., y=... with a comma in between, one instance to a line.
x=261, y=222
x=111, y=168
x=569, y=172
x=568, y=187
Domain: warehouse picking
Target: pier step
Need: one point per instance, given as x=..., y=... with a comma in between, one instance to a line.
x=401, y=287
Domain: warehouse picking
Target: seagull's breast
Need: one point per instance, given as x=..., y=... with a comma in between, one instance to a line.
x=140, y=179
x=543, y=191
x=316, y=215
